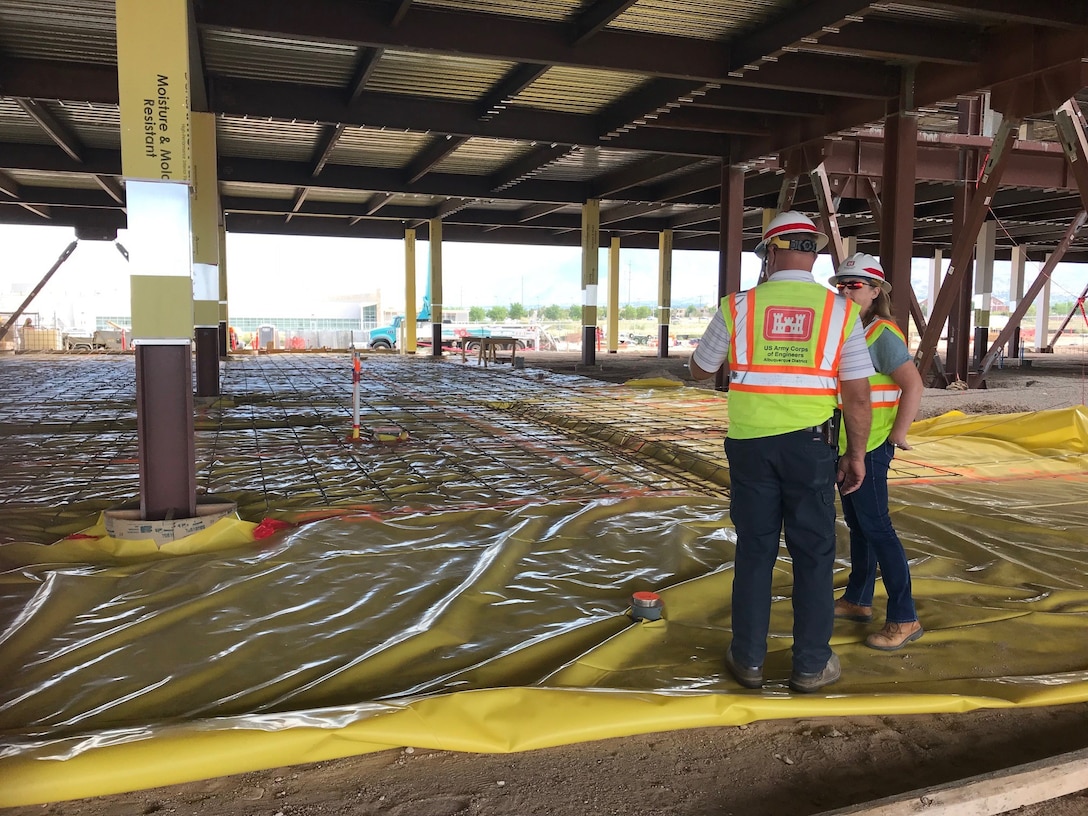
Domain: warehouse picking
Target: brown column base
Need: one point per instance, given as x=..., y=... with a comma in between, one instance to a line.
x=164, y=429
x=589, y=345
x=663, y=341
x=207, y=362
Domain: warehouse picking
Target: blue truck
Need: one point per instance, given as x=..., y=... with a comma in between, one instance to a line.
x=454, y=335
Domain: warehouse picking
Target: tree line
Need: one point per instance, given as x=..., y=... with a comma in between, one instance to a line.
x=555, y=312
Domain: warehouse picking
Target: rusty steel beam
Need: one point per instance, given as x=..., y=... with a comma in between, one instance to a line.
x=730, y=244
x=825, y=200
x=34, y=292
x=595, y=17
x=61, y=135
x=1078, y=306
x=965, y=241
x=430, y=156
x=1071, y=131
x=1029, y=298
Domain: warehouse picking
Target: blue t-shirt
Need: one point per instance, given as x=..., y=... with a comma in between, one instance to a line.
x=888, y=352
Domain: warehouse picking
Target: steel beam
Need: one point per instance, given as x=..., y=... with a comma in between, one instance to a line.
x=1078, y=306
x=965, y=241
x=61, y=136
x=790, y=28
x=825, y=201
x=68, y=250
x=430, y=156
x=1071, y=131
x=595, y=17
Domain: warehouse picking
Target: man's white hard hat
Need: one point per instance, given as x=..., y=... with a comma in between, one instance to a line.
x=788, y=226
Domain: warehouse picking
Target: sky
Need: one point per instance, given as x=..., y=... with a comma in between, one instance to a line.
x=281, y=274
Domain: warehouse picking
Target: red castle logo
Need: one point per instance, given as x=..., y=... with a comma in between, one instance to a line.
x=782, y=323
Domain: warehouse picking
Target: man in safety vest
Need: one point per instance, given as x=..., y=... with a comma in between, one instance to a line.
x=791, y=345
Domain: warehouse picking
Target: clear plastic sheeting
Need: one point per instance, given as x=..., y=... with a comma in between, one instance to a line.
x=468, y=589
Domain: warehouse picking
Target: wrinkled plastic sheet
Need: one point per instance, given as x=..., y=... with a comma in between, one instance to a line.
x=505, y=628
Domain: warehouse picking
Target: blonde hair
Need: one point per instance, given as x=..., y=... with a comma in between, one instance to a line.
x=881, y=307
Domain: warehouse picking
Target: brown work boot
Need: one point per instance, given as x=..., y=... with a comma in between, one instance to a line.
x=852, y=611
x=895, y=636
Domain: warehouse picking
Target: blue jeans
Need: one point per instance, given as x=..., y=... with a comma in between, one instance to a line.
x=873, y=541
x=776, y=481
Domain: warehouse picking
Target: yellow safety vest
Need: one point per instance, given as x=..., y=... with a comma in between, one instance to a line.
x=883, y=392
x=785, y=347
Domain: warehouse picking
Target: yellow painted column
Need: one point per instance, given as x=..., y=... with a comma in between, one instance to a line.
x=205, y=236
x=664, y=291
x=411, y=311
x=435, y=226
x=153, y=89
x=613, y=294
x=224, y=312
x=591, y=244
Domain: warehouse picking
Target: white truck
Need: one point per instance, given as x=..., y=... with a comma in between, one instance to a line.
x=99, y=340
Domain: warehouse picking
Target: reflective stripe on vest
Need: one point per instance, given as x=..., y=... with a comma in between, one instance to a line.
x=883, y=392
x=818, y=379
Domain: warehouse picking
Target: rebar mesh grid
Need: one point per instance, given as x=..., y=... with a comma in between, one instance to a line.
x=278, y=441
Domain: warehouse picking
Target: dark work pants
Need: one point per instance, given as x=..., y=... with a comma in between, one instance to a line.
x=777, y=481
x=873, y=541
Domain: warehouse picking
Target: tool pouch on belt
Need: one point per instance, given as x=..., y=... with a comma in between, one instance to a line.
x=831, y=429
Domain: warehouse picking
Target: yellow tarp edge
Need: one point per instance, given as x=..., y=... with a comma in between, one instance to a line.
x=504, y=720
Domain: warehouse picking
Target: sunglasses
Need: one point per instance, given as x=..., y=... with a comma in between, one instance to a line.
x=852, y=285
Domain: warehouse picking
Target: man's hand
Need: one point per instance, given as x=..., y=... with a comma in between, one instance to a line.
x=857, y=414
x=851, y=473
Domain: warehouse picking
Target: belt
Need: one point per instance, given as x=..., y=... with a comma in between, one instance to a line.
x=816, y=428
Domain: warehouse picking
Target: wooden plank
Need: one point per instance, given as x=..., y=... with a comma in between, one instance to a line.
x=997, y=792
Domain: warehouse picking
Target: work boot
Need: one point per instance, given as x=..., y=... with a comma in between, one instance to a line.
x=895, y=636
x=748, y=676
x=814, y=681
x=852, y=611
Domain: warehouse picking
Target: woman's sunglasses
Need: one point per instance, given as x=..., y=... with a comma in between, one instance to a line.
x=851, y=285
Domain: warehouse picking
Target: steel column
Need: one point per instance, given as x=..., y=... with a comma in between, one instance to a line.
x=730, y=240
x=964, y=244
x=613, y=294
x=591, y=243
x=435, y=235
x=1033, y=292
x=164, y=427
x=1017, y=265
x=897, y=216
x=664, y=291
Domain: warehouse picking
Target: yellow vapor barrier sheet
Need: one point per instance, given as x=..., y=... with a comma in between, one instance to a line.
x=507, y=627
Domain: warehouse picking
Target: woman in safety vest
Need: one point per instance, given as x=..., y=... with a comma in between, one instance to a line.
x=896, y=393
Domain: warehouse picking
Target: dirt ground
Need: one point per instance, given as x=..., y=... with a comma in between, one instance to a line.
x=794, y=767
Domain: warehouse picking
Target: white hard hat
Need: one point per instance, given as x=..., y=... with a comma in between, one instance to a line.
x=793, y=223
x=860, y=265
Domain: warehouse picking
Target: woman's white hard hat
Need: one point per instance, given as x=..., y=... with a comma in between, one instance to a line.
x=864, y=267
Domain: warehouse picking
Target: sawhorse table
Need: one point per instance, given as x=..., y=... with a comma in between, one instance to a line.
x=489, y=347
